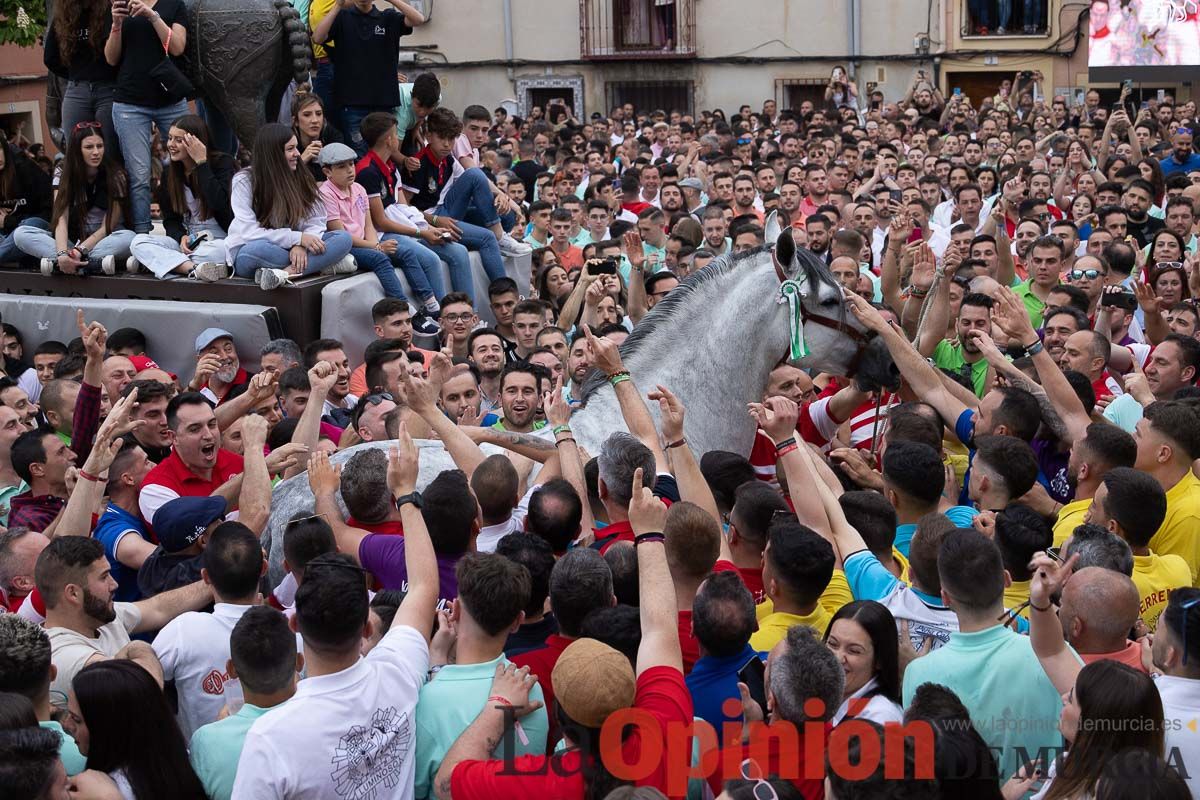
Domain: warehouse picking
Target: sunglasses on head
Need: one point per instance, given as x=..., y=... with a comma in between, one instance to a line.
x=79, y=126
x=378, y=397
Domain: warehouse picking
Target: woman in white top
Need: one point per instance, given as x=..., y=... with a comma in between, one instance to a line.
x=126, y=729
x=862, y=635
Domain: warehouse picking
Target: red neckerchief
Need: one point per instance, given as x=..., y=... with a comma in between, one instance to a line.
x=1100, y=34
x=389, y=174
x=442, y=166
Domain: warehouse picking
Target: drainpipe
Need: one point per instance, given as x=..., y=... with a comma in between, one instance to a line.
x=508, y=37
x=855, y=37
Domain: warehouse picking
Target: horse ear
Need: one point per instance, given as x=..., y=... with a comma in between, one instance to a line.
x=784, y=253
x=771, y=228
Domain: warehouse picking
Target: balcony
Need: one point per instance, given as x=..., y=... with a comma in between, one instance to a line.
x=637, y=29
x=1008, y=18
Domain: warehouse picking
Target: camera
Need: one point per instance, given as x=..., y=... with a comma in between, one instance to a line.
x=602, y=266
x=1026, y=74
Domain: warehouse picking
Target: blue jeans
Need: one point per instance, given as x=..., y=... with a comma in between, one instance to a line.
x=133, y=129
x=458, y=260
x=1005, y=13
x=469, y=202
x=979, y=11
x=421, y=267
x=1033, y=14
x=223, y=137
x=84, y=101
x=262, y=254
x=9, y=252
x=351, y=120
x=39, y=243
x=322, y=86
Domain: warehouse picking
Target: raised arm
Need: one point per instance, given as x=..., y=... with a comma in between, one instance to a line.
x=658, y=611
x=1045, y=630
x=261, y=387
x=162, y=608
x=420, y=603
x=87, y=404
x=889, y=272
x=254, y=501
x=607, y=358
x=76, y=518
x=692, y=485
x=1155, y=327
x=925, y=274
x=321, y=378
x=421, y=396
x=325, y=480
x=570, y=462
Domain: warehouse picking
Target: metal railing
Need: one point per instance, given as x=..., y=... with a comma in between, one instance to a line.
x=627, y=29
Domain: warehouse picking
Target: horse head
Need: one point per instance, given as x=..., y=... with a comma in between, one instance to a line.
x=836, y=341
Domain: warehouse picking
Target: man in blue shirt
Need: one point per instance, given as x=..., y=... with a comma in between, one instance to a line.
x=722, y=622
x=263, y=657
x=1183, y=159
x=120, y=528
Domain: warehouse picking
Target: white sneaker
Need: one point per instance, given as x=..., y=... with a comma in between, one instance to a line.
x=273, y=278
x=346, y=266
x=511, y=247
x=48, y=265
x=132, y=265
x=210, y=272
x=431, y=306
x=108, y=265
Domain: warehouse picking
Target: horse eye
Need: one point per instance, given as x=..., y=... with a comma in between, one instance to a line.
x=833, y=301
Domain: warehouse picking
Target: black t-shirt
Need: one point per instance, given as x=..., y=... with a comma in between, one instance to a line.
x=366, y=49
x=87, y=63
x=1144, y=231
x=428, y=180
x=141, y=50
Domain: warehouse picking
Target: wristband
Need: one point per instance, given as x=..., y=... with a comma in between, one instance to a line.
x=620, y=377
x=1035, y=348
x=561, y=429
x=653, y=536
x=783, y=451
x=504, y=701
x=570, y=439
x=88, y=476
x=1040, y=608
x=789, y=441
x=915, y=292
x=678, y=443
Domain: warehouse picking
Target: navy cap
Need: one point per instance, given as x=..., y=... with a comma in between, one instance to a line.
x=180, y=522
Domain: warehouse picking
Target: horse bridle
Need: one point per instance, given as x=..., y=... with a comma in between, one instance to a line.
x=860, y=339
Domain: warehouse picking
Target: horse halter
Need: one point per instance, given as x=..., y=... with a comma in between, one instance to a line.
x=792, y=292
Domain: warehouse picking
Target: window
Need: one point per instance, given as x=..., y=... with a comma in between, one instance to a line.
x=791, y=93
x=665, y=95
x=642, y=28
x=1005, y=18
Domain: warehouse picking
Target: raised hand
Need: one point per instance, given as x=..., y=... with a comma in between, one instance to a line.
x=403, y=464
x=777, y=417
x=514, y=685
x=321, y=377
x=647, y=514
x=421, y=395
x=1049, y=577
x=558, y=410
x=633, y=249
x=606, y=357
x=324, y=478
x=671, y=412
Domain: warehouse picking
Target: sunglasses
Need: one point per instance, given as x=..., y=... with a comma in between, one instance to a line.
x=85, y=125
x=378, y=397
x=1169, y=265
x=762, y=789
x=1080, y=274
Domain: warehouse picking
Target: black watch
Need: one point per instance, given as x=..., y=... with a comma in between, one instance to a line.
x=414, y=498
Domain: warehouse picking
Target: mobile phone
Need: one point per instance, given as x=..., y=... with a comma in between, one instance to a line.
x=754, y=673
x=1162, y=95
x=194, y=241
x=602, y=266
x=1054, y=552
x=957, y=91
x=1127, y=86
x=895, y=195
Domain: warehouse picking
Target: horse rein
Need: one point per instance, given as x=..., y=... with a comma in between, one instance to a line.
x=860, y=339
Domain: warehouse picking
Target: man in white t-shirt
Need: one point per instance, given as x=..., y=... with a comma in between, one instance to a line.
x=194, y=647
x=349, y=731
x=84, y=624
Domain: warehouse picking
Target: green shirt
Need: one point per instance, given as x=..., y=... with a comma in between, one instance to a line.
x=68, y=752
x=449, y=703
x=6, y=494
x=538, y=424
x=1033, y=305
x=998, y=677
x=216, y=748
x=948, y=355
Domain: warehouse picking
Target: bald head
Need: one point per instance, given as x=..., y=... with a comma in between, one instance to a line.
x=1099, y=607
x=116, y=373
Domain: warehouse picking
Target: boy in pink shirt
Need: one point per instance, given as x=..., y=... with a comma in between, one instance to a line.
x=348, y=209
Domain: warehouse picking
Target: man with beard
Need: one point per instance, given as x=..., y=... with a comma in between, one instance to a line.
x=579, y=364
x=963, y=355
x=1087, y=352
x=197, y=466
x=219, y=374
x=83, y=622
x=459, y=396
x=519, y=399
x=670, y=198
x=1058, y=326
x=1183, y=158
x=1138, y=199
x=485, y=348
x=152, y=435
x=745, y=197
x=339, y=405
x=1103, y=447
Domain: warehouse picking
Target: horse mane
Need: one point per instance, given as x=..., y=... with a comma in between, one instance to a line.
x=815, y=272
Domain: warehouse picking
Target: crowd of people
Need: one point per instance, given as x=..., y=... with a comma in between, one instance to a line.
x=997, y=560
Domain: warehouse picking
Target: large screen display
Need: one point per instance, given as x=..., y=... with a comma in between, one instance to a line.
x=1132, y=38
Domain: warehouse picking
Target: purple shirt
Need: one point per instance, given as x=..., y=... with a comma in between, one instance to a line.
x=382, y=555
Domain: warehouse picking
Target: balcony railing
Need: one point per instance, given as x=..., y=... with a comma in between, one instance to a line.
x=628, y=29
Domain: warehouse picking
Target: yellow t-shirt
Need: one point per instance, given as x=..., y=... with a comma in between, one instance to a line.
x=1070, y=517
x=1180, y=531
x=316, y=12
x=1155, y=576
x=1015, y=595
x=903, y=562
x=773, y=626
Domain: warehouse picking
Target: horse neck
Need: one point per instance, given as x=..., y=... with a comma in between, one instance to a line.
x=716, y=352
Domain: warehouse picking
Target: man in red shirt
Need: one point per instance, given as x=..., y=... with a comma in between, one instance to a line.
x=597, y=684
x=197, y=466
x=755, y=505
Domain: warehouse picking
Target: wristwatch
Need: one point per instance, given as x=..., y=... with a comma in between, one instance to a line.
x=413, y=497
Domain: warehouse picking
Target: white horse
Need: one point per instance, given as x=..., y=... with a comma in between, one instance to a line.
x=713, y=342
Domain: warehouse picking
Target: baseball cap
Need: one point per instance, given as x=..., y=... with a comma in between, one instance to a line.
x=592, y=680
x=210, y=335
x=691, y=183
x=180, y=522
x=597, y=115
x=145, y=362
x=335, y=153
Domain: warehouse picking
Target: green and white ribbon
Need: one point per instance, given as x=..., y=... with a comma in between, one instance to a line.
x=793, y=293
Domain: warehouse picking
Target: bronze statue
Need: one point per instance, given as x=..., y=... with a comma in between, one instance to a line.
x=241, y=56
